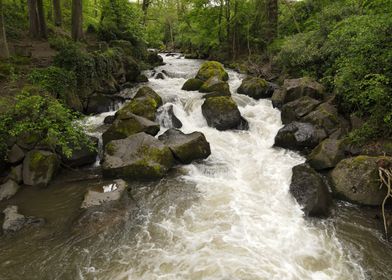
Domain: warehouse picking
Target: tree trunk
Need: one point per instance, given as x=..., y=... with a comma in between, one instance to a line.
x=228, y=27
x=77, y=20
x=272, y=19
x=57, y=12
x=145, y=5
x=41, y=19
x=33, y=18
x=4, y=53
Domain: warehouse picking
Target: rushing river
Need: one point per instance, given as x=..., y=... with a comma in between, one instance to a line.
x=228, y=217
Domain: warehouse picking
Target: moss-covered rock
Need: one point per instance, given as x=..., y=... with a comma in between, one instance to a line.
x=143, y=106
x=99, y=103
x=310, y=191
x=139, y=157
x=213, y=84
x=210, y=69
x=295, y=110
x=39, y=167
x=154, y=59
x=128, y=124
x=192, y=84
x=132, y=69
x=186, y=147
x=222, y=113
x=296, y=88
x=278, y=97
x=325, y=116
x=327, y=154
x=15, y=154
x=356, y=179
x=255, y=87
x=149, y=92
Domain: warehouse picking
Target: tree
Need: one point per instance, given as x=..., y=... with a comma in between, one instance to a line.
x=57, y=12
x=41, y=19
x=4, y=53
x=145, y=5
x=272, y=20
x=33, y=18
x=77, y=20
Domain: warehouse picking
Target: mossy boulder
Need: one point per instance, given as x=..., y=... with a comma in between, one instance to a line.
x=299, y=136
x=255, y=87
x=39, y=167
x=192, y=84
x=311, y=191
x=186, y=147
x=15, y=155
x=214, y=84
x=296, y=88
x=295, y=110
x=154, y=59
x=144, y=92
x=142, y=106
x=325, y=116
x=127, y=125
x=138, y=157
x=210, y=69
x=278, y=97
x=356, y=179
x=222, y=113
x=327, y=154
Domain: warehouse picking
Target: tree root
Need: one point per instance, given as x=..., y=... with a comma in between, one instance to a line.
x=386, y=180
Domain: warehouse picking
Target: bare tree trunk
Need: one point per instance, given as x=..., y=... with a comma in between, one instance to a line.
x=4, y=53
x=33, y=18
x=77, y=20
x=57, y=12
x=41, y=19
x=228, y=27
x=145, y=5
x=272, y=19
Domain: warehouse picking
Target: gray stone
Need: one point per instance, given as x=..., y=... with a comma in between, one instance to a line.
x=327, y=154
x=295, y=110
x=296, y=88
x=8, y=189
x=39, y=167
x=103, y=194
x=14, y=221
x=16, y=173
x=15, y=154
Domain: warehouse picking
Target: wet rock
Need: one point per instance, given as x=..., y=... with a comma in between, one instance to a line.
x=39, y=167
x=192, y=84
x=8, y=189
x=154, y=58
x=142, y=78
x=216, y=94
x=103, y=194
x=327, y=154
x=296, y=88
x=99, y=103
x=222, y=113
x=186, y=147
x=142, y=106
x=14, y=221
x=15, y=155
x=210, y=69
x=295, y=110
x=299, y=136
x=160, y=76
x=140, y=157
x=357, y=180
x=167, y=118
x=16, y=173
x=144, y=92
x=255, y=87
x=108, y=86
x=325, y=116
x=127, y=125
x=109, y=119
x=310, y=191
x=84, y=155
x=213, y=84
x=278, y=98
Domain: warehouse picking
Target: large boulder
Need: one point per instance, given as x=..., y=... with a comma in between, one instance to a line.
x=278, y=97
x=295, y=110
x=99, y=103
x=210, y=69
x=327, y=154
x=14, y=221
x=127, y=125
x=144, y=92
x=325, y=116
x=255, y=87
x=214, y=84
x=97, y=196
x=84, y=155
x=140, y=157
x=167, y=118
x=186, y=147
x=192, y=84
x=296, y=88
x=15, y=155
x=142, y=106
x=357, y=180
x=8, y=189
x=299, y=136
x=222, y=113
x=310, y=190
x=39, y=167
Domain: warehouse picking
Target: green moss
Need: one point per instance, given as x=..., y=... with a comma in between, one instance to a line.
x=145, y=107
x=210, y=69
x=192, y=84
x=221, y=103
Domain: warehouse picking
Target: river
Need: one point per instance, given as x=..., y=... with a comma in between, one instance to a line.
x=228, y=217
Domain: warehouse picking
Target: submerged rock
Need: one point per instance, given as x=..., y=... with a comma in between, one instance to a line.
x=14, y=221
x=39, y=167
x=139, y=156
x=310, y=191
x=8, y=189
x=84, y=155
x=186, y=147
x=327, y=154
x=299, y=136
x=255, y=87
x=192, y=84
x=357, y=180
x=100, y=195
x=222, y=113
x=295, y=110
x=167, y=118
x=210, y=69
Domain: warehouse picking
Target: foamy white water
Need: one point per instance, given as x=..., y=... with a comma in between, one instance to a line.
x=245, y=224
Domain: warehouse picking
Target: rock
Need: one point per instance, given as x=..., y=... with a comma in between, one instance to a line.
x=295, y=110
x=310, y=191
x=97, y=196
x=28, y=140
x=296, y=88
x=222, y=113
x=278, y=98
x=15, y=155
x=160, y=76
x=142, y=78
x=8, y=189
x=39, y=167
x=132, y=69
x=16, y=173
x=84, y=155
x=325, y=116
x=154, y=58
x=140, y=157
x=299, y=136
x=255, y=87
x=108, y=86
x=379, y=147
x=72, y=100
x=149, y=92
x=210, y=69
x=127, y=125
x=327, y=154
x=213, y=84
x=13, y=221
x=109, y=119
x=99, y=103
x=186, y=147
x=356, y=179
x=192, y=84
x=216, y=94
x=167, y=118
x=142, y=106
